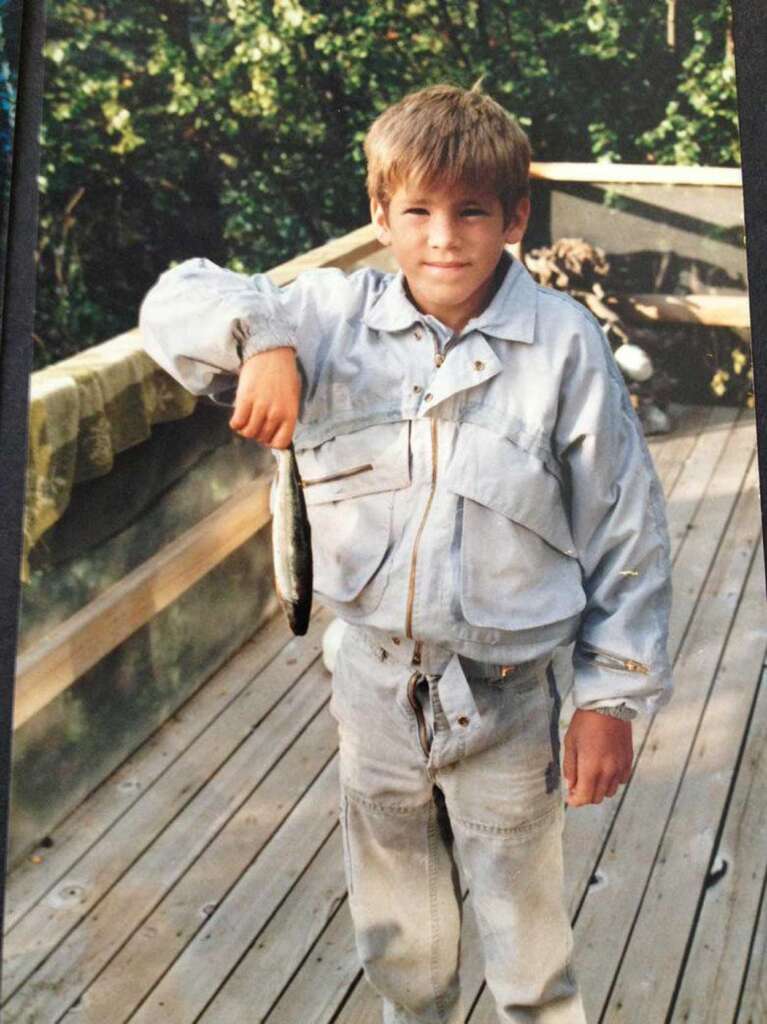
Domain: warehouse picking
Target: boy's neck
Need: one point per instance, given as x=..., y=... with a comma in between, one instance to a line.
x=457, y=322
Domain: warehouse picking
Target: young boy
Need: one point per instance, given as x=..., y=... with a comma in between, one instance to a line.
x=479, y=493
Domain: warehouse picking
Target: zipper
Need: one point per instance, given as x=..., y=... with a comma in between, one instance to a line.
x=338, y=476
x=423, y=734
x=438, y=360
x=414, y=556
x=613, y=661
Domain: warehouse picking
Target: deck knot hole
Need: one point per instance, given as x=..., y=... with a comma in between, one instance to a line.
x=68, y=894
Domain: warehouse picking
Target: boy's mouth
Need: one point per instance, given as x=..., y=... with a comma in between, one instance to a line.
x=445, y=266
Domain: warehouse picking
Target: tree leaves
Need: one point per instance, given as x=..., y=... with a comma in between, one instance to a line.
x=234, y=130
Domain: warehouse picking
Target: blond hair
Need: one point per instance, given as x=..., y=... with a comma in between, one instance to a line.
x=448, y=136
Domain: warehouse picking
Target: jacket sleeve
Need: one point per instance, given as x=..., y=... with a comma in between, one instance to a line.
x=200, y=322
x=618, y=522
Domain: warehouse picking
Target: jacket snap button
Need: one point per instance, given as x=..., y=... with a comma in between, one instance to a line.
x=427, y=396
x=463, y=720
x=417, y=389
x=479, y=365
x=395, y=640
x=418, y=333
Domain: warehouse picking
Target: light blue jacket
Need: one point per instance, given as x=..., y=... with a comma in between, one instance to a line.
x=490, y=492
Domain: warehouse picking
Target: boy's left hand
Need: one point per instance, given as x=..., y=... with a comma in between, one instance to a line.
x=598, y=756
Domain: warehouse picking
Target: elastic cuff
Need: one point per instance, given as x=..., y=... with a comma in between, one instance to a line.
x=270, y=334
x=621, y=710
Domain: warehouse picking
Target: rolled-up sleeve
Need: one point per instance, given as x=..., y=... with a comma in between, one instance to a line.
x=618, y=522
x=200, y=322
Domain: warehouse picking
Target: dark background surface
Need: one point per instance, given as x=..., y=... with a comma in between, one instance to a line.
x=18, y=288
x=750, y=27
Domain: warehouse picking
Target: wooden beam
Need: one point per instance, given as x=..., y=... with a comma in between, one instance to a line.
x=637, y=174
x=339, y=252
x=362, y=242
x=78, y=644
x=711, y=310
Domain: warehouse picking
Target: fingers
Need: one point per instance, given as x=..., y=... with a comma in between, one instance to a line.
x=595, y=782
x=267, y=400
x=282, y=437
x=569, y=764
x=598, y=757
x=267, y=426
x=262, y=422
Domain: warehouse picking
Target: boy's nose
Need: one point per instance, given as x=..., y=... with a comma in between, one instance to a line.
x=442, y=233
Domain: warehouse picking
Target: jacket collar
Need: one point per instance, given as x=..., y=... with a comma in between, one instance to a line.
x=510, y=315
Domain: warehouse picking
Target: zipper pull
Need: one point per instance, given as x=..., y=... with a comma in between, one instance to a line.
x=416, y=653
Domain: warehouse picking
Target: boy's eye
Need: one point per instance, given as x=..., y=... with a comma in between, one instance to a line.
x=416, y=209
x=473, y=211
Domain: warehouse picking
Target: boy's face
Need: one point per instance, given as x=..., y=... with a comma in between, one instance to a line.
x=448, y=242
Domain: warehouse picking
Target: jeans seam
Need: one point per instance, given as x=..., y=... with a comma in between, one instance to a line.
x=502, y=830
x=381, y=808
x=347, y=843
x=432, y=837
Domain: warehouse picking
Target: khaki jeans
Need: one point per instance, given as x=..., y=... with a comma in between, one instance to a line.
x=415, y=795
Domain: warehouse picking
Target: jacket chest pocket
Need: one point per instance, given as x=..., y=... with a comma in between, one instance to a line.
x=518, y=565
x=348, y=487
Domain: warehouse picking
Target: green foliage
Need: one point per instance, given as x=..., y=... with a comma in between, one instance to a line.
x=233, y=130
x=700, y=121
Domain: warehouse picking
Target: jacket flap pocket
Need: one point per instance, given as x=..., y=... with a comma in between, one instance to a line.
x=495, y=473
x=364, y=462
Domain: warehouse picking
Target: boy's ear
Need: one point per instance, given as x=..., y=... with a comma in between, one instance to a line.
x=516, y=230
x=380, y=222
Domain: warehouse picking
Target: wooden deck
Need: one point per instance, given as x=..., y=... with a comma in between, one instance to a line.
x=203, y=881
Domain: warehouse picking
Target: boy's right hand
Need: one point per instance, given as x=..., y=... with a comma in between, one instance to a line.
x=267, y=400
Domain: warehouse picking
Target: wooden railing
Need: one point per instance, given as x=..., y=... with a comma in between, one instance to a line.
x=69, y=650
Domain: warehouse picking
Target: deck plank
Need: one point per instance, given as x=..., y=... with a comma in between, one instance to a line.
x=330, y=971
x=183, y=812
x=278, y=951
x=207, y=960
x=603, y=924
x=711, y=982
x=753, y=1005
x=32, y=879
x=186, y=908
x=693, y=552
x=692, y=484
x=671, y=451
x=679, y=873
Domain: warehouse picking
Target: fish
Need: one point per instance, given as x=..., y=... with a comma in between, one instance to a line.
x=291, y=542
